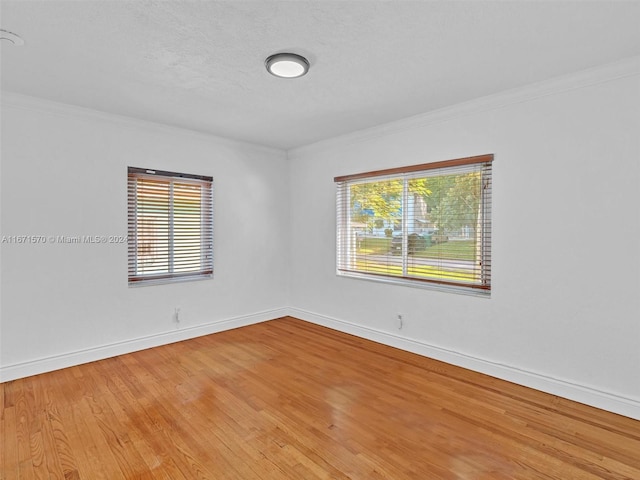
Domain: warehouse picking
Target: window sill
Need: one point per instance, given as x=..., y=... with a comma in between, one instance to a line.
x=460, y=290
x=164, y=281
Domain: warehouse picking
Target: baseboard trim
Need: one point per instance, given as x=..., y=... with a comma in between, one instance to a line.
x=70, y=359
x=607, y=401
x=596, y=398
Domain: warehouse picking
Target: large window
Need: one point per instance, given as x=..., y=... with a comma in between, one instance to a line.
x=170, y=233
x=422, y=225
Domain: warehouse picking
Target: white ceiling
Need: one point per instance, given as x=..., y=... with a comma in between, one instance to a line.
x=199, y=64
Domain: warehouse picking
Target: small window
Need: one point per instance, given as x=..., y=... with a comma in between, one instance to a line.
x=423, y=225
x=170, y=227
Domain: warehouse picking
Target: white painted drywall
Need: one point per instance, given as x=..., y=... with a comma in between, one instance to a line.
x=564, y=312
x=565, y=301
x=64, y=172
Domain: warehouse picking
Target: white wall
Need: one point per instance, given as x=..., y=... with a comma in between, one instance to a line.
x=64, y=172
x=564, y=313
x=565, y=307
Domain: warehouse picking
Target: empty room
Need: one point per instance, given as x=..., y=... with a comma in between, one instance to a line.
x=319, y=239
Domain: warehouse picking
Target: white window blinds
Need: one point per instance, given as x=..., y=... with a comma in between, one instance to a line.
x=424, y=224
x=170, y=226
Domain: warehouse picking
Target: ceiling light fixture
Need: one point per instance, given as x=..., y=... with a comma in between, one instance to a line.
x=11, y=37
x=287, y=65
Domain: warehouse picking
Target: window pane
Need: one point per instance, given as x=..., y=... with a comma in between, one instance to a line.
x=442, y=227
x=152, y=226
x=374, y=209
x=187, y=227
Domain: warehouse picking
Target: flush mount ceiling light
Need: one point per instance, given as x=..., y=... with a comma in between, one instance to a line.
x=287, y=65
x=11, y=37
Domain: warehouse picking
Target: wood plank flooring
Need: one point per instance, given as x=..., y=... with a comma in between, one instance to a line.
x=287, y=399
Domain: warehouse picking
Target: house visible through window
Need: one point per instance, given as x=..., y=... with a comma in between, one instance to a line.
x=170, y=231
x=426, y=224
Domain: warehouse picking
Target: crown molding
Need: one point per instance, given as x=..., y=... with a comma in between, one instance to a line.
x=28, y=102
x=565, y=83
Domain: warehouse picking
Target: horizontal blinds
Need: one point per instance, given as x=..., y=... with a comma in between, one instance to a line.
x=170, y=226
x=429, y=225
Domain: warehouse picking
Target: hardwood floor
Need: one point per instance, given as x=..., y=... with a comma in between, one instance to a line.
x=290, y=400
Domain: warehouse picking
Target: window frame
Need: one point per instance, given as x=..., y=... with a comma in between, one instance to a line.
x=205, y=237
x=346, y=255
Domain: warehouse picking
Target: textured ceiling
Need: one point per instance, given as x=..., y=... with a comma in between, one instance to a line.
x=199, y=64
